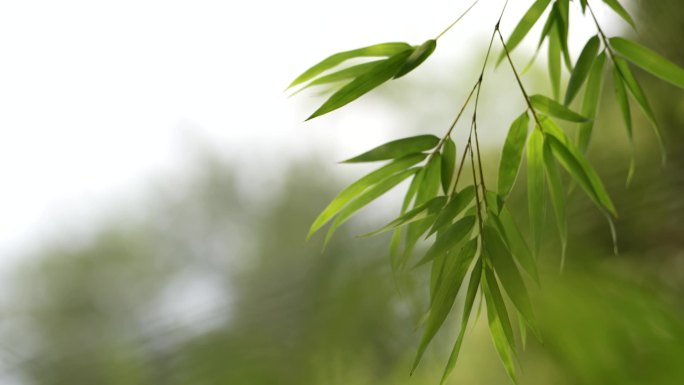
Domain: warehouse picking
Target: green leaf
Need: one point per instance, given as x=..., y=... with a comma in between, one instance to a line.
x=582, y=68
x=363, y=84
x=625, y=110
x=378, y=50
x=512, y=153
x=455, y=269
x=367, y=197
x=554, y=59
x=356, y=188
x=620, y=10
x=448, y=164
x=649, y=61
x=558, y=198
x=581, y=171
x=418, y=56
x=590, y=102
x=341, y=75
x=458, y=202
x=548, y=106
x=397, y=148
x=452, y=237
x=473, y=286
x=526, y=23
x=395, y=242
x=638, y=94
x=497, y=320
x=563, y=25
x=507, y=271
x=535, y=186
x=427, y=209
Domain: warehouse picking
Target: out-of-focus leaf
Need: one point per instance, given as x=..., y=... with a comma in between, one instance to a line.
x=397, y=148
x=363, y=84
x=638, y=94
x=397, y=234
x=554, y=59
x=563, y=25
x=459, y=202
x=473, y=286
x=508, y=273
x=496, y=322
x=553, y=108
x=535, y=186
x=378, y=50
x=649, y=60
x=583, y=3
x=625, y=110
x=429, y=208
x=546, y=30
x=455, y=269
x=367, y=197
x=582, y=68
x=453, y=236
x=620, y=10
x=448, y=164
x=356, y=188
x=526, y=23
x=558, y=199
x=418, y=56
x=341, y=75
x=590, y=102
x=512, y=153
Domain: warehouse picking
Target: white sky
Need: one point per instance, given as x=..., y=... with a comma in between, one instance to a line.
x=98, y=96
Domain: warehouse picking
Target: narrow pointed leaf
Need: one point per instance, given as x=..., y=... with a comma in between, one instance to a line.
x=526, y=23
x=459, y=202
x=620, y=10
x=496, y=328
x=455, y=269
x=649, y=61
x=341, y=75
x=363, y=84
x=511, y=155
x=563, y=30
x=554, y=59
x=500, y=305
x=367, y=197
x=418, y=56
x=398, y=234
x=625, y=110
x=448, y=164
x=553, y=108
x=535, y=186
x=582, y=68
x=378, y=50
x=397, y=149
x=429, y=208
x=453, y=236
x=590, y=102
x=558, y=198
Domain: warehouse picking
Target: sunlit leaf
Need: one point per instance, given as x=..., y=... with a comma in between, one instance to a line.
x=526, y=23
x=418, y=56
x=363, y=84
x=553, y=108
x=458, y=202
x=429, y=208
x=397, y=148
x=367, y=197
x=512, y=153
x=448, y=164
x=452, y=236
x=558, y=198
x=378, y=50
x=649, y=60
x=535, y=186
x=455, y=269
x=554, y=60
x=620, y=10
x=496, y=322
x=582, y=68
x=356, y=188
x=341, y=75
x=590, y=102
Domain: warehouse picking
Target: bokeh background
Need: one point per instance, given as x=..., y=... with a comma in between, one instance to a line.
x=158, y=185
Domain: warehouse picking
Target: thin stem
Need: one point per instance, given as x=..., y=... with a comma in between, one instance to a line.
x=460, y=167
x=457, y=20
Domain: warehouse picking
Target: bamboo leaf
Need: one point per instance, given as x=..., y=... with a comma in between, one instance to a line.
x=497, y=320
x=427, y=209
x=558, y=198
x=620, y=10
x=649, y=61
x=553, y=108
x=458, y=202
x=378, y=50
x=397, y=234
x=363, y=84
x=356, y=188
x=448, y=164
x=341, y=75
x=590, y=102
x=396, y=149
x=625, y=110
x=582, y=68
x=453, y=236
x=367, y=197
x=455, y=269
x=554, y=58
x=418, y=56
x=563, y=30
x=512, y=153
x=526, y=23
x=535, y=186
x=473, y=286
